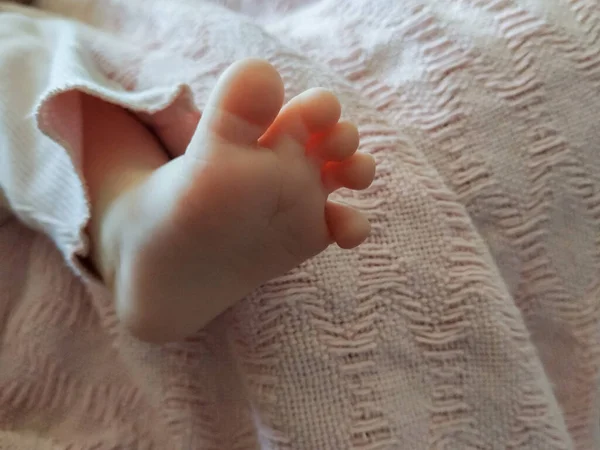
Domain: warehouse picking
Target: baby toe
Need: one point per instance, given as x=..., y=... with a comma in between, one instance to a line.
x=348, y=227
x=337, y=145
x=356, y=172
x=243, y=105
x=311, y=113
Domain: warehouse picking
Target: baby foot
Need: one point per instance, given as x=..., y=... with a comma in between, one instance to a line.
x=246, y=203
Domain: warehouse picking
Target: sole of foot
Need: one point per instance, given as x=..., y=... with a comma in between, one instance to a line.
x=247, y=202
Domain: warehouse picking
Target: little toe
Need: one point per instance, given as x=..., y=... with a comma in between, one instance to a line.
x=339, y=144
x=244, y=103
x=348, y=227
x=313, y=112
x=356, y=172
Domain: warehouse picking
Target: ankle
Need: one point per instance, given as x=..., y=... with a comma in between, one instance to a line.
x=119, y=154
x=105, y=231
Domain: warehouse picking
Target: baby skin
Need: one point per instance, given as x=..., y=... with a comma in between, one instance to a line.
x=181, y=238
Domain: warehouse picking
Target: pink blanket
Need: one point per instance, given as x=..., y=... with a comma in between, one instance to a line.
x=470, y=319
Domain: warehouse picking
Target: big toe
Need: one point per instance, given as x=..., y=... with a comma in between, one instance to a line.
x=247, y=98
